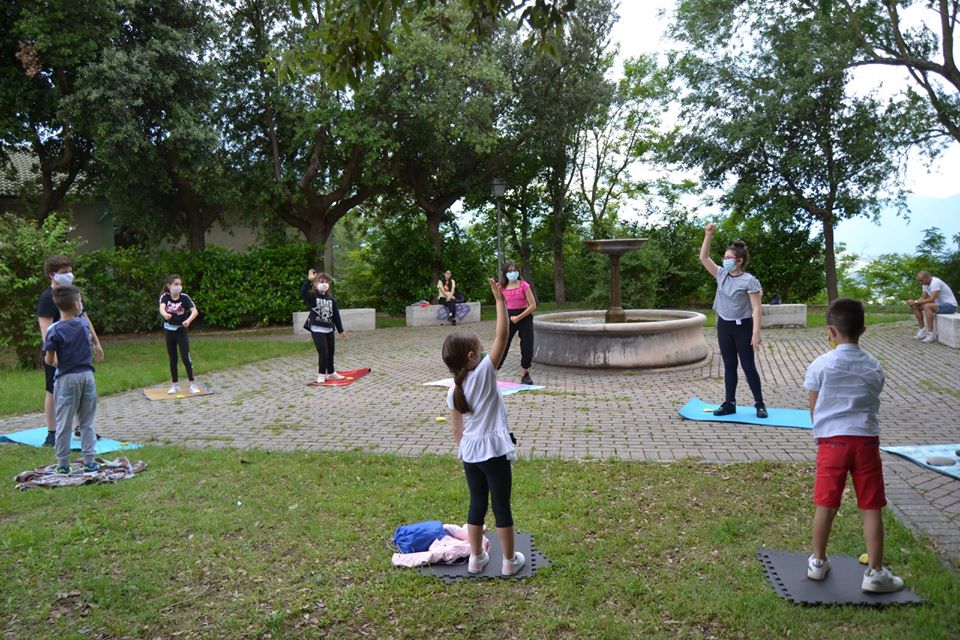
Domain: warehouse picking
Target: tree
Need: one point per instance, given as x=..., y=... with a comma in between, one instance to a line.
x=353, y=37
x=884, y=36
x=445, y=101
x=768, y=110
x=44, y=48
x=158, y=147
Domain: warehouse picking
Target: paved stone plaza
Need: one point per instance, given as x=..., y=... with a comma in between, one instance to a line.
x=630, y=415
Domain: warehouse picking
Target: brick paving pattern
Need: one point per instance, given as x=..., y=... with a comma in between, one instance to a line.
x=629, y=415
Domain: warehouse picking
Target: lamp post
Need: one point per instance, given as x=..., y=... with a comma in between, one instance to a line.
x=498, y=187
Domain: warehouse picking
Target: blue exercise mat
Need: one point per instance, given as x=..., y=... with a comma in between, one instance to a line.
x=920, y=453
x=697, y=409
x=35, y=438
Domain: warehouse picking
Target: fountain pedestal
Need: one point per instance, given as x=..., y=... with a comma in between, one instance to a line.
x=615, y=248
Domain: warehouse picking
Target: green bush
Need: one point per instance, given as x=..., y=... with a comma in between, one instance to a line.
x=231, y=289
x=23, y=247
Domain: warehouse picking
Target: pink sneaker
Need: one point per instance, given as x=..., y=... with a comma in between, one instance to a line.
x=511, y=567
x=477, y=563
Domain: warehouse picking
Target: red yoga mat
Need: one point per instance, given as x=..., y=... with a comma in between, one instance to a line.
x=349, y=377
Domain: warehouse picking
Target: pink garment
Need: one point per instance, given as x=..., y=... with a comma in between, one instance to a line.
x=448, y=549
x=516, y=298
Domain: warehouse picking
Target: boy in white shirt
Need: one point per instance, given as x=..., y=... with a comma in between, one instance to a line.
x=845, y=386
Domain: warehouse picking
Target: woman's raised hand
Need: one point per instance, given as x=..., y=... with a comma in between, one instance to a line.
x=710, y=228
x=311, y=275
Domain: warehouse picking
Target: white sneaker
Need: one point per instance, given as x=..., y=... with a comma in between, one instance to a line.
x=882, y=581
x=334, y=376
x=817, y=569
x=174, y=389
x=920, y=334
x=194, y=388
x=321, y=379
x=511, y=567
x=930, y=337
x=477, y=563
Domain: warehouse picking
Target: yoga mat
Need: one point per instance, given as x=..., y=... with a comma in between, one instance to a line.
x=920, y=452
x=506, y=388
x=449, y=573
x=349, y=377
x=35, y=438
x=697, y=409
x=787, y=574
x=160, y=393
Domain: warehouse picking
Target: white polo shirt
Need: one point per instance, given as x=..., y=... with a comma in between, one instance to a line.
x=946, y=294
x=485, y=433
x=849, y=381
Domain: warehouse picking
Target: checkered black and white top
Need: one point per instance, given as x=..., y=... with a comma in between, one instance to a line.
x=732, y=301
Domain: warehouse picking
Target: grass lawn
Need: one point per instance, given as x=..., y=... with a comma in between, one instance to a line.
x=132, y=363
x=252, y=544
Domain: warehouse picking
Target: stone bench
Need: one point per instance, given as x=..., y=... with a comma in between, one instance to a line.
x=434, y=314
x=353, y=320
x=784, y=315
x=948, y=329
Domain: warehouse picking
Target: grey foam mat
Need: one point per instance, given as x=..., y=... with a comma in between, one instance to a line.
x=787, y=573
x=449, y=573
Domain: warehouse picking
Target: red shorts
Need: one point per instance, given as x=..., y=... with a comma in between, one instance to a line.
x=858, y=455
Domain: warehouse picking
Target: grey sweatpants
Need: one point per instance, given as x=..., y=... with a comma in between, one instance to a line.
x=75, y=396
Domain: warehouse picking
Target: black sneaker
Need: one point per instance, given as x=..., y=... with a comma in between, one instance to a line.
x=761, y=410
x=51, y=439
x=453, y=322
x=725, y=409
x=76, y=433
x=526, y=379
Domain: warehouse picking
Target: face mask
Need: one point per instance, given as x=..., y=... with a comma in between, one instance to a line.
x=176, y=290
x=63, y=278
x=512, y=276
x=729, y=264
x=323, y=286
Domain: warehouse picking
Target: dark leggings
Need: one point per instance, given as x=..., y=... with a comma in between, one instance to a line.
x=451, y=306
x=325, y=346
x=179, y=339
x=734, y=341
x=491, y=477
x=525, y=327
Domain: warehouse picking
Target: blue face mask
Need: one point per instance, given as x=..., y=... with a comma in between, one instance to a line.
x=63, y=278
x=729, y=264
x=513, y=276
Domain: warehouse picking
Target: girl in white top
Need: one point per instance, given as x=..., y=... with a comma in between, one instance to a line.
x=478, y=418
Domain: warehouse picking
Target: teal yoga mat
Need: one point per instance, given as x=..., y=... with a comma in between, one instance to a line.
x=697, y=409
x=920, y=453
x=35, y=438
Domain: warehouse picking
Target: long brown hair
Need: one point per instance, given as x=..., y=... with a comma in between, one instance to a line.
x=456, y=349
x=169, y=281
x=509, y=265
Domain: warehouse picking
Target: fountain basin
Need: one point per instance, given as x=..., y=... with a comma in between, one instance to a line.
x=649, y=339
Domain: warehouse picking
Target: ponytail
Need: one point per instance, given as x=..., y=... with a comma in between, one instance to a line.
x=459, y=398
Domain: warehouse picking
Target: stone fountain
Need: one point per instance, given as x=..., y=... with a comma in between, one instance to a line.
x=618, y=338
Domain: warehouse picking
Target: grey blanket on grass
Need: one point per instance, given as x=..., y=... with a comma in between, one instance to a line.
x=48, y=478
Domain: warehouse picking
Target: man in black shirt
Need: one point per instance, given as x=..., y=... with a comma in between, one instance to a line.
x=59, y=270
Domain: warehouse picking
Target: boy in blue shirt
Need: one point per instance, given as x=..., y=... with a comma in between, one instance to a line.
x=68, y=347
x=845, y=386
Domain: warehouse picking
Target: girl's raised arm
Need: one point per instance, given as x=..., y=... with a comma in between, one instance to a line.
x=500, y=339
x=705, y=258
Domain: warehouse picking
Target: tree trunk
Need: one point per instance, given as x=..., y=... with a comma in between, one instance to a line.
x=559, y=287
x=434, y=218
x=830, y=258
x=319, y=233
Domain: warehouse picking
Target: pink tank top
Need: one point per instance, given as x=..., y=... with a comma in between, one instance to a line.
x=516, y=298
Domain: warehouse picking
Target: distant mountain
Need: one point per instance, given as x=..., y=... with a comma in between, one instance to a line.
x=894, y=234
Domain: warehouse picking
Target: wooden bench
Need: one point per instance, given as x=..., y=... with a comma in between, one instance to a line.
x=784, y=315
x=434, y=314
x=948, y=329
x=364, y=319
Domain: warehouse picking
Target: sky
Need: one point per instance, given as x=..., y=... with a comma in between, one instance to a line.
x=935, y=199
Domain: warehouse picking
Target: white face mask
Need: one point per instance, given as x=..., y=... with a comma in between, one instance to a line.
x=63, y=278
x=323, y=286
x=175, y=290
x=513, y=276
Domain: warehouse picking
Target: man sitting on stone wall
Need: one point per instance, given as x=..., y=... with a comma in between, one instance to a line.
x=937, y=298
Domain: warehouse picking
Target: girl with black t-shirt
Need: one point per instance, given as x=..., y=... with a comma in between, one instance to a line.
x=178, y=312
x=324, y=318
